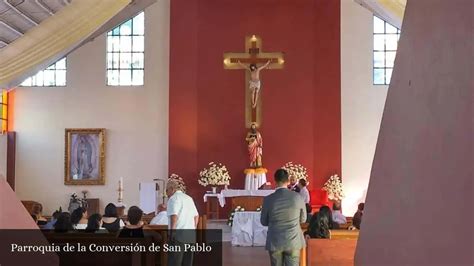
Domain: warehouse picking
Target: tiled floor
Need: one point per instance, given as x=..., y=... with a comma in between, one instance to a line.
x=221, y=224
x=244, y=256
x=238, y=256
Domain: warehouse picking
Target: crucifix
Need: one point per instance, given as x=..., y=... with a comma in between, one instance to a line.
x=253, y=60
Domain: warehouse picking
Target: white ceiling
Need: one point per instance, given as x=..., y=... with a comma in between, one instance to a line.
x=391, y=11
x=19, y=16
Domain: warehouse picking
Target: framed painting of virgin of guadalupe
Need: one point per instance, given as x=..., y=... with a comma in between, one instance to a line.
x=84, y=158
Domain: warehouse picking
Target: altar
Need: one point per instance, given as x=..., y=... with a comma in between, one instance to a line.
x=250, y=200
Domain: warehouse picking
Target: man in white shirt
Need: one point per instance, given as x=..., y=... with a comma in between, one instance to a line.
x=337, y=215
x=304, y=193
x=162, y=217
x=182, y=215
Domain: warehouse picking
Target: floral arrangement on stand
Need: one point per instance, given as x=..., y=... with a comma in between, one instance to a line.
x=216, y=174
x=334, y=188
x=296, y=170
x=179, y=180
x=230, y=221
x=75, y=202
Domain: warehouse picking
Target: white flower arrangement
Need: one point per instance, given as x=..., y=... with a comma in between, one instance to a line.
x=216, y=174
x=296, y=170
x=230, y=221
x=334, y=188
x=179, y=180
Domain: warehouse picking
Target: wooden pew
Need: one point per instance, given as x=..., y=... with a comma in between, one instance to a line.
x=339, y=250
x=29, y=205
x=106, y=258
x=334, y=252
x=163, y=231
x=344, y=234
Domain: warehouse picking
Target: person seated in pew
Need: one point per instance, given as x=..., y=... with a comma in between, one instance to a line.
x=63, y=224
x=37, y=211
x=162, y=217
x=134, y=226
x=320, y=224
x=357, y=219
x=94, y=224
x=52, y=221
x=79, y=218
x=337, y=215
x=110, y=220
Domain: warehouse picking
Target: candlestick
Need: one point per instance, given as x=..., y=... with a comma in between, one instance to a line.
x=120, y=190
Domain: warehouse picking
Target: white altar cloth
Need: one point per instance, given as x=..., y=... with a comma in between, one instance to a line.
x=229, y=193
x=247, y=230
x=253, y=181
x=207, y=195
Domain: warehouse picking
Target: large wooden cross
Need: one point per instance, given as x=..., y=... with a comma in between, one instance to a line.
x=253, y=55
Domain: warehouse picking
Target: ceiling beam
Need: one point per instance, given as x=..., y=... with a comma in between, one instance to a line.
x=20, y=12
x=12, y=28
x=3, y=41
x=44, y=6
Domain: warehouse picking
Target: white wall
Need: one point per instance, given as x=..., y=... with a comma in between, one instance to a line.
x=136, y=120
x=362, y=102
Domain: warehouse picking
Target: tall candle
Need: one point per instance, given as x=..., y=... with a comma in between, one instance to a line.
x=120, y=190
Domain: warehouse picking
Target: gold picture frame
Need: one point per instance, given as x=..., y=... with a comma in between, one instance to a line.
x=84, y=156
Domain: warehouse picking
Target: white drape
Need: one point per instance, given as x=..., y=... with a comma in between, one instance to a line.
x=247, y=230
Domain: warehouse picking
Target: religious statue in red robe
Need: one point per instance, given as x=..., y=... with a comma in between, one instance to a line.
x=255, y=146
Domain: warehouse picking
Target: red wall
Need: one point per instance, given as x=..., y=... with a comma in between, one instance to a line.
x=301, y=103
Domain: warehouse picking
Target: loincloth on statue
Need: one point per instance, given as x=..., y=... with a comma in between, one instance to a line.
x=254, y=84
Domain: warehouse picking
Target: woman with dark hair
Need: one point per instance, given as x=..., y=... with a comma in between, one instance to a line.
x=110, y=220
x=134, y=226
x=63, y=223
x=94, y=223
x=79, y=218
x=320, y=224
x=52, y=221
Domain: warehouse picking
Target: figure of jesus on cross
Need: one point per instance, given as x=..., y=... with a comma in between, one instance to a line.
x=253, y=60
x=254, y=82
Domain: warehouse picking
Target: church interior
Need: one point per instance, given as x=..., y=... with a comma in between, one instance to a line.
x=360, y=101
